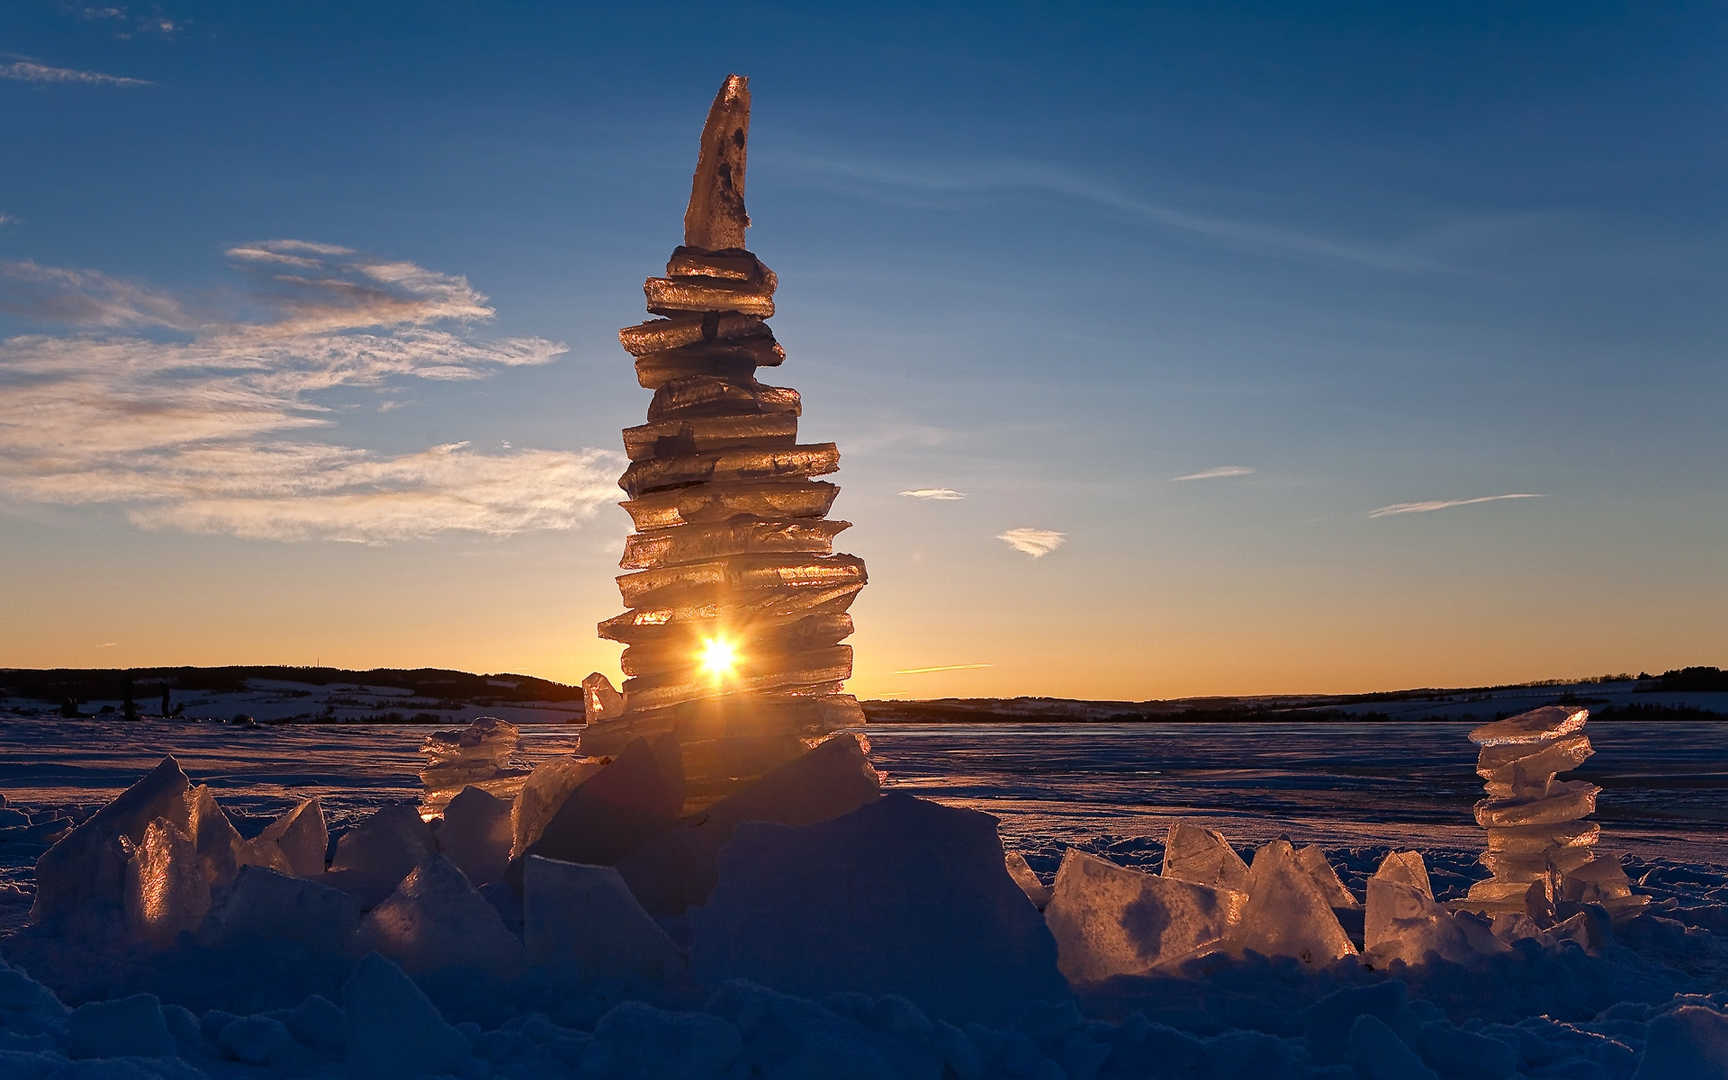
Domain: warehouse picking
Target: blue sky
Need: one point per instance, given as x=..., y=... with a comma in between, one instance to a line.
x=1052, y=258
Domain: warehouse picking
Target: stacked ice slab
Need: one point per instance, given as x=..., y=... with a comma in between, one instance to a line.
x=1540, y=848
x=475, y=756
x=732, y=558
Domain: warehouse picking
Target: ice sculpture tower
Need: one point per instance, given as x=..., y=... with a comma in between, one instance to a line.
x=737, y=606
x=1537, y=836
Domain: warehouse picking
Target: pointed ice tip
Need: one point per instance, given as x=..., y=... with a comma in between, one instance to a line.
x=716, y=219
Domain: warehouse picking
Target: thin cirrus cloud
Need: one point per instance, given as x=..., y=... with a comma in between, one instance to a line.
x=1445, y=504
x=935, y=494
x=193, y=428
x=1034, y=542
x=31, y=72
x=942, y=667
x=1217, y=472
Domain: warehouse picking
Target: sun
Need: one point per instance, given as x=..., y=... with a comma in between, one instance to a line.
x=718, y=657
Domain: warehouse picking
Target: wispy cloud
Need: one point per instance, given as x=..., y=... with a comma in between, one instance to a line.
x=190, y=428
x=935, y=494
x=126, y=21
x=31, y=72
x=8, y=219
x=943, y=667
x=1217, y=472
x=1008, y=175
x=106, y=644
x=1445, y=504
x=1034, y=542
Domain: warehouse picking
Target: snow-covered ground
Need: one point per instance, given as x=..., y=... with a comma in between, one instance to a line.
x=1653, y=992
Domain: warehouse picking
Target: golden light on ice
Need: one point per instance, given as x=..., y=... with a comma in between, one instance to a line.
x=718, y=657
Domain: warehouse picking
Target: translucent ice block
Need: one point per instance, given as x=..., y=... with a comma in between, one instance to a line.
x=1203, y=857
x=1314, y=861
x=1524, y=866
x=738, y=463
x=715, y=219
x=1406, y=868
x=732, y=361
x=658, y=335
x=740, y=536
x=727, y=265
x=700, y=434
x=708, y=395
x=1508, y=773
x=1529, y=838
x=1287, y=915
x=740, y=606
x=1109, y=920
x=668, y=296
x=717, y=579
x=1537, y=725
x=815, y=666
x=686, y=649
x=717, y=502
x=1561, y=801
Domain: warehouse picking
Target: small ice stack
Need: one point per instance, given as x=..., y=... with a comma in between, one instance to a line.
x=1540, y=848
x=737, y=603
x=475, y=756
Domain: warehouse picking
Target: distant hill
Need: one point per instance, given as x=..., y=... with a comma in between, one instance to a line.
x=282, y=694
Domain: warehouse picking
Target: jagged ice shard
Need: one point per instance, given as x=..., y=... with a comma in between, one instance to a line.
x=737, y=601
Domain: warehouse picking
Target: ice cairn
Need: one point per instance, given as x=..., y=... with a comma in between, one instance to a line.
x=1540, y=848
x=737, y=606
x=475, y=756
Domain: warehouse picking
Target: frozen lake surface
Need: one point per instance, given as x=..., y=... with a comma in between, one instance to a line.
x=1665, y=785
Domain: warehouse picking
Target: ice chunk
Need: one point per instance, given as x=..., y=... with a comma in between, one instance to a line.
x=741, y=536
x=684, y=642
x=436, y=921
x=710, y=395
x=811, y=668
x=1286, y=913
x=1402, y=922
x=1314, y=861
x=727, y=265
x=703, y=434
x=1517, y=766
x=475, y=756
x=475, y=835
x=266, y=906
x=166, y=888
x=718, y=502
x=300, y=836
x=743, y=606
x=1559, y=802
x=671, y=296
x=610, y=814
x=375, y=855
x=1203, y=857
x=129, y=1027
x=677, y=868
x=1108, y=920
x=583, y=922
x=1406, y=868
x=771, y=462
x=1535, y=726
x=214, y=838
x=660, y=335
x=1023, y=875
x=715, y=219
x=900, y=896
x=672, y=584
x=394, y=1030
x=732, y=361
x=1691, y=1041
x=547, y=788
x=86, y=868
